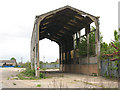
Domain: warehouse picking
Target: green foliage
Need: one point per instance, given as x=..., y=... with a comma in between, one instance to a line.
x=44, y=69
x=39, y=85
x=108, y=48
x=116, y=35
x=42, y=75
x=14, y=83
x=92, y=43
x=8, y=78
x=104, y=48
x=26, y=65
x=28, y=72
x=81, y=48
x=41, y=62
x=12, y=58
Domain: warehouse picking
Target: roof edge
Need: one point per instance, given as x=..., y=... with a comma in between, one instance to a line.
x=62, y=8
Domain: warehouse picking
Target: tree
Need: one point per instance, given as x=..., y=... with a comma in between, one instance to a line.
x=116, y=35
x=109, y=49
x=41, y=62
x=12, y=58
x=81, y=48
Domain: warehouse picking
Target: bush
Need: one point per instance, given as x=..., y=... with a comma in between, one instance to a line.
x=26, y=65
x=29, y=72
x=42, y=75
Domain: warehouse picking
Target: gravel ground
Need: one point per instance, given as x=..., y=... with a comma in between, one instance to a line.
x=57, y=80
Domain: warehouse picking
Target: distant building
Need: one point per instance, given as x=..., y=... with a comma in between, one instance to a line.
x=57, y=61
x=8, y=63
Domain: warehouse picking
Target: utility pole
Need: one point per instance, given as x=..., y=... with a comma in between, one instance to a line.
x=44, y=59
x=21, y=60
x=119, y=40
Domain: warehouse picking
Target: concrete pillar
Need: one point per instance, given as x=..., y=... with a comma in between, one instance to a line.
x=97, y=41
x=74, y=41
x=60, y=58
x=31, y=53
x=37, y=48
x=87, y=30
x=79, y=35
x=60, y=49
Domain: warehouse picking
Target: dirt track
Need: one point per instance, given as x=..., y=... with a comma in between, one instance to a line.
x=58, y=80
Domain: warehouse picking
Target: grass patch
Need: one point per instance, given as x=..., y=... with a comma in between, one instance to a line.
x=12, y=76
x=16, y=78
x=44, y=69
x=14, y=83
x=94, y=74
x=76, y=80
x=62, y=75
x=8, y=78
x=39, y=85
x=29, y=74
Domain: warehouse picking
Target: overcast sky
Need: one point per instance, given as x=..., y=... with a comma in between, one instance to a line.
x=17, y=20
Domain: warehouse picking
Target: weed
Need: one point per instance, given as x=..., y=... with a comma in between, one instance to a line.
x=14, y=83
x=76, y=80
x=39, y=85
x=41, y=75
x=16, y=78
x=94, y=74
x=23, y=76
x=28, y=72
x=44, y=69
x=8, y=78
x=12, y=76
x=62, y=75
x=20, y=76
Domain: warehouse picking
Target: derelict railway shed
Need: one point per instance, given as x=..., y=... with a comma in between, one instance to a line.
x=64, y=26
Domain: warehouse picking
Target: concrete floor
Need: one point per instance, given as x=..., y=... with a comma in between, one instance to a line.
x=57, y=80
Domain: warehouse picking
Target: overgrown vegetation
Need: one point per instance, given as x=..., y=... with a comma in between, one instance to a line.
x=110, y=53
x=26, y=65
x=109, y=49
x=14, y=83
x=29, y=74
x=39, y=85
x=81, y=48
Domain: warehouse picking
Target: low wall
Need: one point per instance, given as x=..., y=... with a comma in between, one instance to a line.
x=83, y=67
x=77, y=68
